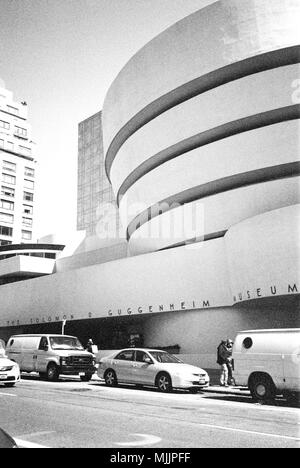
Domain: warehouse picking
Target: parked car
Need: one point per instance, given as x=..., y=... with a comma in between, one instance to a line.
x=51, y=355
x=151, y=367
x=6, y=441
x=268, y=362
x=9, y=370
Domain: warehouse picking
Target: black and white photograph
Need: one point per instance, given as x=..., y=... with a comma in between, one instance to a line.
x=149, y=227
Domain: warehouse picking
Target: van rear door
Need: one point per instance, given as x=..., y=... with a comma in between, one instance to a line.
x=291, y=366
x=14, y=349
x=29, y=350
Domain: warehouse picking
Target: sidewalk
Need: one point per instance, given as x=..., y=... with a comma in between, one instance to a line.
x=215, y=386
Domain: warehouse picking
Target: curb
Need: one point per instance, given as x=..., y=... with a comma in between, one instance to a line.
x=241, y=391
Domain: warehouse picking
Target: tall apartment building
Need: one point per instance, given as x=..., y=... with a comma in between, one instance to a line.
x=94, y=188
x=17, y=172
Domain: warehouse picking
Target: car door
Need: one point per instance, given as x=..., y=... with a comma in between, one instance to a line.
x=123, y=365
x=144, y=370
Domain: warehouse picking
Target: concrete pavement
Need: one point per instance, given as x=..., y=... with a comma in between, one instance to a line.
x=71, y=413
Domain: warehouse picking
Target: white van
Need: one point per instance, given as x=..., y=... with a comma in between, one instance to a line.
x=51, y=355
x=268, y=362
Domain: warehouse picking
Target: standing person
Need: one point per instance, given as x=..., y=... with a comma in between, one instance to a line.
x=222, y=360
x=89, y=346
x=229, y=346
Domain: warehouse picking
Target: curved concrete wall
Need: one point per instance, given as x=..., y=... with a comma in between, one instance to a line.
x=209, y=275
x=223, y=34
x=172, y=129
x=213, y=214
x=203, y=110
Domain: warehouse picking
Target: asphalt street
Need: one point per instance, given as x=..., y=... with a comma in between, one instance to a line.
x=72, y=414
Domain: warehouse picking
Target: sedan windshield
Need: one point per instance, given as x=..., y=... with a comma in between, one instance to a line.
x=165, y=358
x=65, y=342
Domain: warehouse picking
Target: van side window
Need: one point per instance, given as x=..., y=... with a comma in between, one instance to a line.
x=43, y=343
x=247, y=343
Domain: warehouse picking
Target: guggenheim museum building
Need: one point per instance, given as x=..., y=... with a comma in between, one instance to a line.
x=201, y=145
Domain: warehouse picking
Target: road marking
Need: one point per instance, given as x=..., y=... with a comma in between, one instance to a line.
x=7, y=394
x=148, y=439
x=223, y=428
x=25, y=444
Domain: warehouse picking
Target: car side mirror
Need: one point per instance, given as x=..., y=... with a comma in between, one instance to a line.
x=147, y=360
x=45, y=347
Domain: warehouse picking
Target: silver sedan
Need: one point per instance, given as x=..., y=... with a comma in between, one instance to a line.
x=151, y=367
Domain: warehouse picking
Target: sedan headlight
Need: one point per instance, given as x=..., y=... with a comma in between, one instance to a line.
x=6, y=368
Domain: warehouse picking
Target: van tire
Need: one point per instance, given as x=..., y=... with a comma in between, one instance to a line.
x=52, y=372
x=262, y=387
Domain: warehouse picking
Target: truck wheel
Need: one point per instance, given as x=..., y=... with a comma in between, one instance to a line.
x=262, y=388
x=86, y=377
x=52, y=372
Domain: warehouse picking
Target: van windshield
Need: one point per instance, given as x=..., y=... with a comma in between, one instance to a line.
x=65, y=342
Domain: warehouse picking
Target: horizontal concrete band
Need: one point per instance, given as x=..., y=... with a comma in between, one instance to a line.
x=210, y=136
x=215, y=187
x=232, y=72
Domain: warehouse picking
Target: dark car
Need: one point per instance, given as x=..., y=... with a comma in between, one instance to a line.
x=6, y=441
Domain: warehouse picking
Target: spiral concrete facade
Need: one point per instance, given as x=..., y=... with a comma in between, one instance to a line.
x=203, y=116
x=201, y=140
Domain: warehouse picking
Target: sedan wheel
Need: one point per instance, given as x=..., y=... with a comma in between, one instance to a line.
x=164, y=383
x=111, y=378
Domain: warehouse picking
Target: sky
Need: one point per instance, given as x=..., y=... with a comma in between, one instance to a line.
x=61, y=56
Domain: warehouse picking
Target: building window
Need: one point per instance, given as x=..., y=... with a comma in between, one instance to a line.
x=27, y=221
x=29, y=184
x=21, y=132
x=5, y=242
x=12, y=110
x=9, y=179
x=4, y=124
x=28, y=210
x=50, y=255
x=7, y=192
x=7, y=205
x=29, y=172
x=9, y=146
x=9, y=166
x=24, y=150
x=26, y=235
x=28, y=196
x=6, y=218
x=6, y=231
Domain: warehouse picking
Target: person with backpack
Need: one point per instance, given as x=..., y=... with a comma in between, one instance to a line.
x=223, y=357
